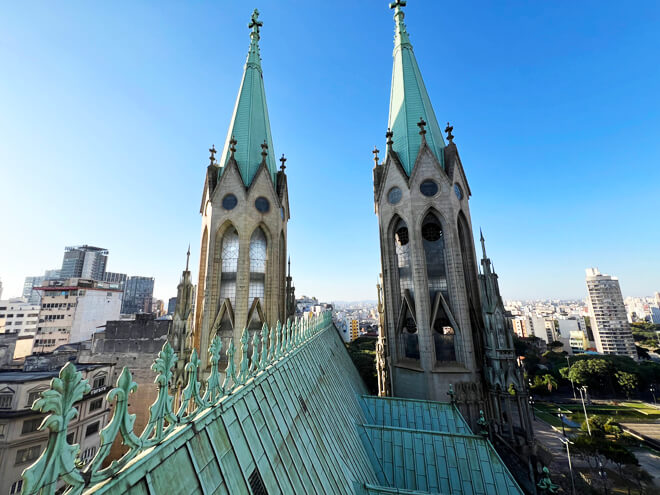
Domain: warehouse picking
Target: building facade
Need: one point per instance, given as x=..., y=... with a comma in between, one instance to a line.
x=31, y=295
x=73, y=310
x=21, y=442
x=138, y=295
x=115, y=278
x=84, y=262
x=607, y=313
x=245, y=210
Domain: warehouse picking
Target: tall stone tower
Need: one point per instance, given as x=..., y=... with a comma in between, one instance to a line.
x=245, y=209
x=431, y=331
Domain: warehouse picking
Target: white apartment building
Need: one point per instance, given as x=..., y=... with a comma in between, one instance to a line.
x=20, y=317
x=609, y=321
x=71, y=311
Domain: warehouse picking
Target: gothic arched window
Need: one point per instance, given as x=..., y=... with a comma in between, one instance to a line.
x=257, y=265
x=442, y=329
x=409, y=337
x=230, y=246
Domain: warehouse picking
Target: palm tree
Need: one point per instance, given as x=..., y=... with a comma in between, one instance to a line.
x=550, y=382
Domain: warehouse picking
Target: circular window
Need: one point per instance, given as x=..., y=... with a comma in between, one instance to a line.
x=262, y=204
x=458, y=191
x=394, y=196
x=428, y=188
x=431, y=232
x=229, y=202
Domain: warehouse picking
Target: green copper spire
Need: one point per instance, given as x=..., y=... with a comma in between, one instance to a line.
x=250, y=126
x=409, y=101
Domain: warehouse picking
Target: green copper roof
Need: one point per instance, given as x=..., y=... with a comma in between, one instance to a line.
x=409, y=100
x=250, y=125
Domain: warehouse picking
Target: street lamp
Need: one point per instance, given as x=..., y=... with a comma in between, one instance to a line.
x=531, y=404
x=563, y=429
x=566, y=442
x=652, y=389
x=584, y=408
x=569, y=377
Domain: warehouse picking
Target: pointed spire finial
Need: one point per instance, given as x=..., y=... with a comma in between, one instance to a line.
x=264, y=150
x=187, y=257
x=289, y=267
x=483, y=243
x=400, y=33
x=213, y=152
x=283, y=160
x=390, y=142
x=254, y=59
x=255, y=23
x=450, y=136
x=375, y=152
x=232, y=146
x=421, y=124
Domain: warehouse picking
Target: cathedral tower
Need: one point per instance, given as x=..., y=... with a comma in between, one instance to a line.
x=431, y=331
x=245, y=209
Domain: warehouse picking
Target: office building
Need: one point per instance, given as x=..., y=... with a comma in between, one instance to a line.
x=85, y=261
x=138, y=295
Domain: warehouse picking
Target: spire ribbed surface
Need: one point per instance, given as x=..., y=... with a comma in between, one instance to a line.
x=250, y=125
x=409, y=101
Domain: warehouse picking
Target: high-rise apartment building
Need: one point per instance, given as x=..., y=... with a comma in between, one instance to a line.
x=138, y=295
x=609, y=322
x=84, y=262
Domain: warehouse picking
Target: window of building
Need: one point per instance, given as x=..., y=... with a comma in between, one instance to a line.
x=394, y=195
x=428, y=188
x=16, y=487
x=458, y=191
x=92, y=429
x=229, y=202
x=99, y=381
x=230, y=247
x=262, y=204
x=258, y=246
x=5, y=401
x=31, y=425
x=3, y=427
x=402, y=250
x=70, y=438
x=96, y=404
x=88, y=454
x=27, y=455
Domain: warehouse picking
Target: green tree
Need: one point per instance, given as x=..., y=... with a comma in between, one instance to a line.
x=627, y=381
x=595, y=373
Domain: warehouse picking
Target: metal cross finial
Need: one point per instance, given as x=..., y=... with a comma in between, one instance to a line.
x=397, y=4
x=375, y=152
x=187, y=257
x=421, y=124
x=448, y=129
x=213, y=152
x=283, y=160
x=255, y=24
x=389, y=135
x=264, y=150
x=232, y=146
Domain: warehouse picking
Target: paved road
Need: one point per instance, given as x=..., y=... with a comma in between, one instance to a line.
x=650, y=462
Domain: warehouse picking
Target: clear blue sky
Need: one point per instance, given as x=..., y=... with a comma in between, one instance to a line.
x=107, y=111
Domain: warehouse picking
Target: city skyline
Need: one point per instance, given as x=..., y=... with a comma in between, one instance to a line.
x=142, y=168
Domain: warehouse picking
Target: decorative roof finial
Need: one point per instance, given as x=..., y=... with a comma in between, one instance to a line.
x=264, y=150
x=448, y=129
x=187, y=257
x=255, y=23
x=213, y=152
x=389, y=135
x=289, y=275
x=483, y=242
x=375, y=152
x=421, y=124
x=232, y=146
x=283, y=160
